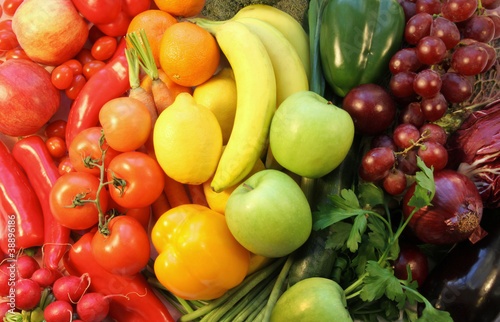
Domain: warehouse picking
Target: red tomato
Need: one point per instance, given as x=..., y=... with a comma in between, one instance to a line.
x=124, y=115
x=56, y=146
x=6, y=24
x=56, y=128
x=126, y=250
x=16, y=53
x=10, y=6
x=95, y=33
x=92, y=67
x=62, y=76
x=84, y=56
x=1, y=11
x=85, y=146
x=75, y=65
x=76, y=86
x=143, y=215
x=8, y=40
x=141, y=173
x=135, y=7
x=104, y=48
x=77, y=188
x=65, y=166
x=117, y=27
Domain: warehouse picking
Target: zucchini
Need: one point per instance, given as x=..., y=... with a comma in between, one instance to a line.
x=313, y=259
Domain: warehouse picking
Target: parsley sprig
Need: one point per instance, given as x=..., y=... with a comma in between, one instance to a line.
x=367, y=241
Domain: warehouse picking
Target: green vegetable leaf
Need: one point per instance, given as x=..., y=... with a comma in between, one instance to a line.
x=340, y=233
x=358, y=228
x=378, y=233
x=431, y=314
x=425, y=188
x=370, y=195
x=380, y=282
x=342, y=207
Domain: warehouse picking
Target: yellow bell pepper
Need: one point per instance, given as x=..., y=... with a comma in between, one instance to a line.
x=199, y=259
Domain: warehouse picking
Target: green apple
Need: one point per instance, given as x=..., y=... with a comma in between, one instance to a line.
x=310, y=136
x=312, y=299
x=268, y=214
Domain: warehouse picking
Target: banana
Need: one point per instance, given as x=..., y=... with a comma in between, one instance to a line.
x=286, y=24
x=256, y=99
x=289, y=71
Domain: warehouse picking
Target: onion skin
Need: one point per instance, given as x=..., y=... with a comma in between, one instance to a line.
x=455, y=213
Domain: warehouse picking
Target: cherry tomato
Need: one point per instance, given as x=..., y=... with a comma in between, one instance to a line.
x=8, y=40
x=84, y=56
x=16, y=53
x=6, y=24
x=135, y=7
x=10, y=6
x=141, y=173
x=126, y=250
x=65, y=166
x=82, y=186
x=56, y=128
x=104, y=48
x=75, y=65
x=85, y=145
x=143, y=215
x=56, y=146
x=117, y=27
x=122, y=116
x=62, y=76
x=95, y=33
x=92, y=67
x=76, y=86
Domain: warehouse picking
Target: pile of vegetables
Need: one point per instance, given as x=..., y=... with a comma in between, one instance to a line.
x=408, y=215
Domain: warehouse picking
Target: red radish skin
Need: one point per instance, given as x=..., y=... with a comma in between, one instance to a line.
x=45, y=277
x=4, y=308
x=93, y=307
x=5, y=277
x=58, y=311
x=26, y=266
x=70, y=288
x=28, y=294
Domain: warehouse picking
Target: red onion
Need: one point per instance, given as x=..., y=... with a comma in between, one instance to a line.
x=474, y=150
x=455, y=213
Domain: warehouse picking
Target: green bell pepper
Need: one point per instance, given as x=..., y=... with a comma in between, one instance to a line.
x=357, y=40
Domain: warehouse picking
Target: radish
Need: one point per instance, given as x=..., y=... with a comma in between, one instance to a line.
x=58, y=311
x=4, y=308
x=70, y=288
x=93, y=307
x=28, y=294
x=6, y=280
x=26, y=265
x=45, y=277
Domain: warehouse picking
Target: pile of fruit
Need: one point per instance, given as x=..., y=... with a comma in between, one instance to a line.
x=158, y=165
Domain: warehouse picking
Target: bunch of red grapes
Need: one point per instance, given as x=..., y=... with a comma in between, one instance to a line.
x=447, y=43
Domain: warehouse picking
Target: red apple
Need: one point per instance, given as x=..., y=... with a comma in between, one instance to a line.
x=27, y=97
x=50, y=31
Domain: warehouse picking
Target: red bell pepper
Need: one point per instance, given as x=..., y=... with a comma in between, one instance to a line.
x=104, y=11
x=109, y=82
x=19, y=203
x=3, y=238
x=138, y=301
x=34, y=157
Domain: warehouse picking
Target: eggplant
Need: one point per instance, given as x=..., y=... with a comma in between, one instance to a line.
x=466, y=283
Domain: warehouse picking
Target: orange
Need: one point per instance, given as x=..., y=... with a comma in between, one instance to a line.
x=174, y=88
x=154, y=23
x=189, y=54
x=181, y=8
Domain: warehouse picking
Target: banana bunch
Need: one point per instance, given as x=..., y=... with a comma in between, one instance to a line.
x=268, y=51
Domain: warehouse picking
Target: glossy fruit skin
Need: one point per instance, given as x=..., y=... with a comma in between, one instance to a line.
x=348, y=29
x=457, y=284
x=312, y=299
x=410, y=255
x=126, y=250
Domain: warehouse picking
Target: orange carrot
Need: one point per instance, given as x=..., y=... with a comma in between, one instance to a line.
x=160, y=206
x=176, y=192
x=162, y=96
x=197, y=194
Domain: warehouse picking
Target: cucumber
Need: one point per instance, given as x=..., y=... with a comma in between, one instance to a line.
x=313, y=259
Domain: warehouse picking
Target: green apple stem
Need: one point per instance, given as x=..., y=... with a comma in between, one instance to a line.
x=247, y=186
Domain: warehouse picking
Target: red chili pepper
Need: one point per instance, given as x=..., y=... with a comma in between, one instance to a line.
x=108, y=83
x=19, y=203
x=4, y=248
x=32, y=154
x=138, y=303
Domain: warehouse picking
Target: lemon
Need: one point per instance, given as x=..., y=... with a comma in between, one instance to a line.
x=218, y=94
x=187, y=141
x=217, y=200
